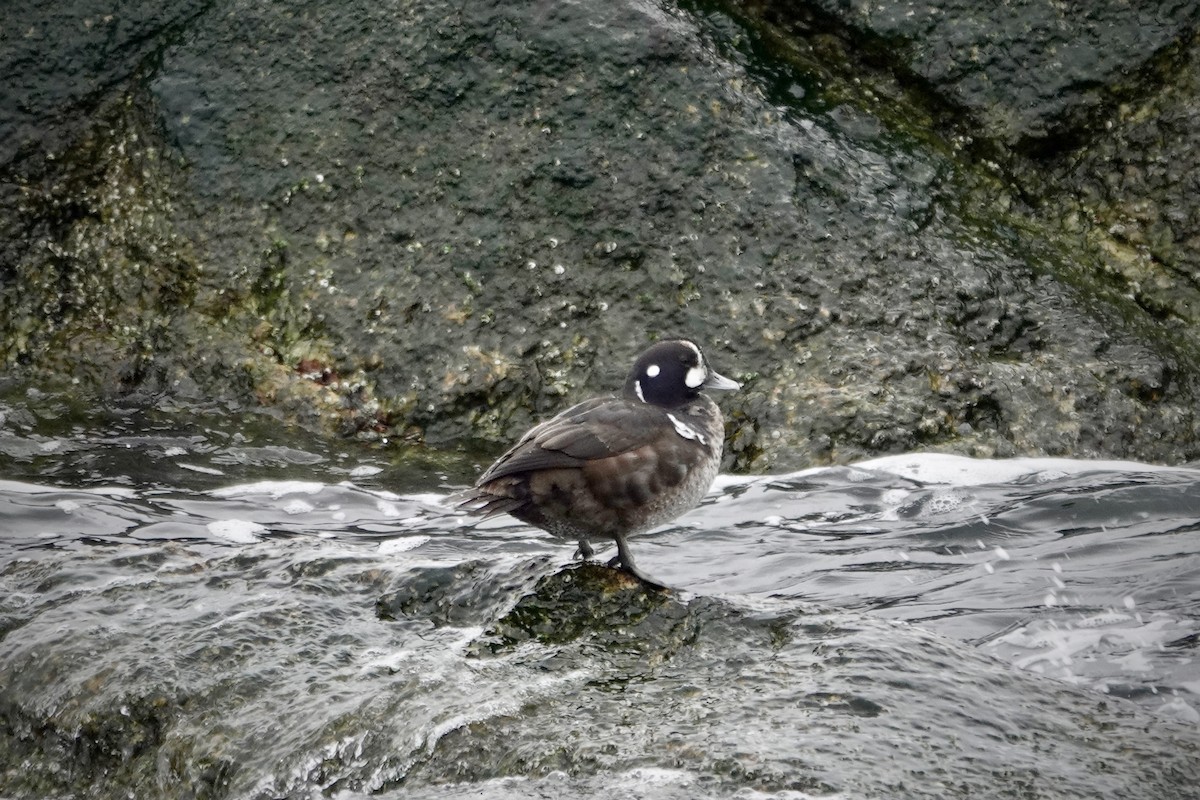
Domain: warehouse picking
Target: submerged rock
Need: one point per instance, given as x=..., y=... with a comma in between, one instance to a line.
x=260, y=671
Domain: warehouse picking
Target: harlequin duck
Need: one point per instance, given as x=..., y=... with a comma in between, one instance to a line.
x=613, y=466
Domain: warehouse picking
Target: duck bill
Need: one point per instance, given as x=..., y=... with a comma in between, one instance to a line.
x=720, y=383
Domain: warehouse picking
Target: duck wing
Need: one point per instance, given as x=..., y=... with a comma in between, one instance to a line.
x=592, y=430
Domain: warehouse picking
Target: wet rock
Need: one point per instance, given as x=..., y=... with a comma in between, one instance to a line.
x=440, y=224
x=610, y=608
x=1031, y=73
x=261, y=671
x=774, y=700
x=68, y=748
x=62, y=61
x=454, y=595
x=1136, y=179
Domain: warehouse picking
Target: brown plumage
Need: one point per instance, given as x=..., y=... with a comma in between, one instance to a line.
x=614, y=466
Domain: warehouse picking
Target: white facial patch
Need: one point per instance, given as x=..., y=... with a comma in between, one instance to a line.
x=686, y=431
x=699, y=373
x=652, y=371
x=637, y=388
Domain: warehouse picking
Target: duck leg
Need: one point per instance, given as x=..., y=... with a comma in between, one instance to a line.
x=624, y=562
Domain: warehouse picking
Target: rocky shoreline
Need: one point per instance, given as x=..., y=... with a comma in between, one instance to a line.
x=958, y=227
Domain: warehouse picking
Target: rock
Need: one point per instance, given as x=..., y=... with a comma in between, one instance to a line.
x=442, y=223
x=1031, y=73
x=611, y=609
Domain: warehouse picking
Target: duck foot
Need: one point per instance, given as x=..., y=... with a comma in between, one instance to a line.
x=623, y=561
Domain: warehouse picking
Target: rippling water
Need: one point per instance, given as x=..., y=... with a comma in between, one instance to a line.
x=196, y=615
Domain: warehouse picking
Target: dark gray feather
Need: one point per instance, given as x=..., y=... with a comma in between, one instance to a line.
x=595, y=429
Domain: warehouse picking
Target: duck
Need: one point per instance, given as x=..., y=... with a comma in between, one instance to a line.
x=617, y=465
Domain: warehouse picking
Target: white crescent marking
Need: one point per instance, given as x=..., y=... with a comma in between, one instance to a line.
x=686, y=431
